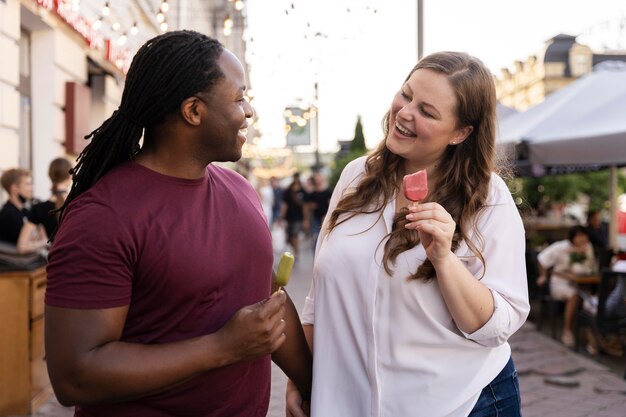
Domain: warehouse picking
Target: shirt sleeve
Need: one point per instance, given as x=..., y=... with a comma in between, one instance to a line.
x=550, y=255
x=91, y=261
x=504, y=272
x=350, y=173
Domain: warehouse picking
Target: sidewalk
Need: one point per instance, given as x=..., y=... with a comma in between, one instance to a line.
x=596, y=392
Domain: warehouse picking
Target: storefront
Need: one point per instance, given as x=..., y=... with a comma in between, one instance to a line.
x=59, y=80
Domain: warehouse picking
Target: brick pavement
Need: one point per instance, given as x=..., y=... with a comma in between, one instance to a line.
x=598, y=391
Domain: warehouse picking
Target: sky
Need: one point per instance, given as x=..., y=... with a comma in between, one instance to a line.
x=360, y=51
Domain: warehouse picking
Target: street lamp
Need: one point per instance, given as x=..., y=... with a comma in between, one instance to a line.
x=420, y=29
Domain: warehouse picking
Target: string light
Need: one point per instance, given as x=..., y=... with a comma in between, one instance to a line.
x=164, y=26
x=165, y=6
x=106, y=9
x=228, y=26
x=115, y=26
x=97, y=24
x=160, y=17
x=239, y=5
x=122, y=39
x=134, y=30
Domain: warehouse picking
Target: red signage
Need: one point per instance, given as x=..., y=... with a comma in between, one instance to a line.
x=117, y=55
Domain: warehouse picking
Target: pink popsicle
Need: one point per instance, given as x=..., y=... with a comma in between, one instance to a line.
x=416, y=185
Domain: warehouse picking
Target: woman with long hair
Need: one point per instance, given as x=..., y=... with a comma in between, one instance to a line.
x=412, y=303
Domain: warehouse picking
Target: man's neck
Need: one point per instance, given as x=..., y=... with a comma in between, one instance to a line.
x=168, y=164
x=15, y=200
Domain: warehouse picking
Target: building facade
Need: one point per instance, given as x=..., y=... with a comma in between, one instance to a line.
x=561, y=61
x=64, y=65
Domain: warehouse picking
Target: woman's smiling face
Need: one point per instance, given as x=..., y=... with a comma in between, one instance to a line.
x=423, y=121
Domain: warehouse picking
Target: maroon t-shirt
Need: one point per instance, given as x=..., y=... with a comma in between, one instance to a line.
x=185, y=255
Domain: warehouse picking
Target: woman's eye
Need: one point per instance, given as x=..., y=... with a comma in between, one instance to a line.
x=405, y=95
x=425, y=113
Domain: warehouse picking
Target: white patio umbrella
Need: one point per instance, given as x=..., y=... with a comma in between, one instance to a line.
x=582, y=124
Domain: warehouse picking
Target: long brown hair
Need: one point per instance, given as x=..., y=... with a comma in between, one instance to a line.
x=463, y=174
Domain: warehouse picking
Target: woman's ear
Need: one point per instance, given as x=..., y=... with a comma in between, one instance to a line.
x=461, y=134
x=191, y=111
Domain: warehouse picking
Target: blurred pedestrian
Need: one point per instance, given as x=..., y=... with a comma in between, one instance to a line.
x=317, y=201
x=598, y=231
x=18, y=183
x=278, y=198
x=293, y=212
x=266, y=194
x=567, y=259
x=159, y=277
x=412, y=303
x=42, y=220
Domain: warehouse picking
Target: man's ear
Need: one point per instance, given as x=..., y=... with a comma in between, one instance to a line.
x=191, y=111
x=13, y=189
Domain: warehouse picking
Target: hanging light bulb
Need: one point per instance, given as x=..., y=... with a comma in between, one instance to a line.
x=115, y=26
x=228, y=22
x=239, y=5
x=164, y=26
x=134, y=29
x=227, y=31
x=97, y=24
x=164, y=6
x=160, y=17
x=106, y=9
x=122, y=39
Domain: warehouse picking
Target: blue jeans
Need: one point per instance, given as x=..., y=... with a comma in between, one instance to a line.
x=501, y=397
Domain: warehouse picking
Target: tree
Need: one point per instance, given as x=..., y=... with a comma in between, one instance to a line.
x=358, y=143
x=566, y=188
x=357, y=149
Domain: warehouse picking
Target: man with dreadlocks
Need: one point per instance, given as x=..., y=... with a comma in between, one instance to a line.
x=156, y=304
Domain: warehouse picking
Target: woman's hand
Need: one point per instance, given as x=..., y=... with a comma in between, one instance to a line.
x=295, y=405
x=435, y=227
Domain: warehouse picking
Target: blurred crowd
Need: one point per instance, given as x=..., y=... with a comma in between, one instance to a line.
x=295, y=210
x=27, y=223
x=572, y=276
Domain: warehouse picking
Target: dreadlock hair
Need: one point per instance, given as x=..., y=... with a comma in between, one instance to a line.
x=166, y=70
x=463, y=177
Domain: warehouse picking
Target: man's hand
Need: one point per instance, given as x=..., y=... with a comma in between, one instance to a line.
x=255, y=330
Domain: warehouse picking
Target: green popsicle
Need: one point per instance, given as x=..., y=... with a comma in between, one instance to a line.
x=283, y=271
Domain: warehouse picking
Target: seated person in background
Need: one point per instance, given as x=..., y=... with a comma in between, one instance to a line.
x=567, y=258
x=599, y=236
x=18, y=184
x=41, y=220
x=614, y=309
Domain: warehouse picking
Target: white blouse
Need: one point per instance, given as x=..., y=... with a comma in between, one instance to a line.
x=388, y=347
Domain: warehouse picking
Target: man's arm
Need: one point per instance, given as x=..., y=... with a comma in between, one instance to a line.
x=294, y=356
x=88, y=363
